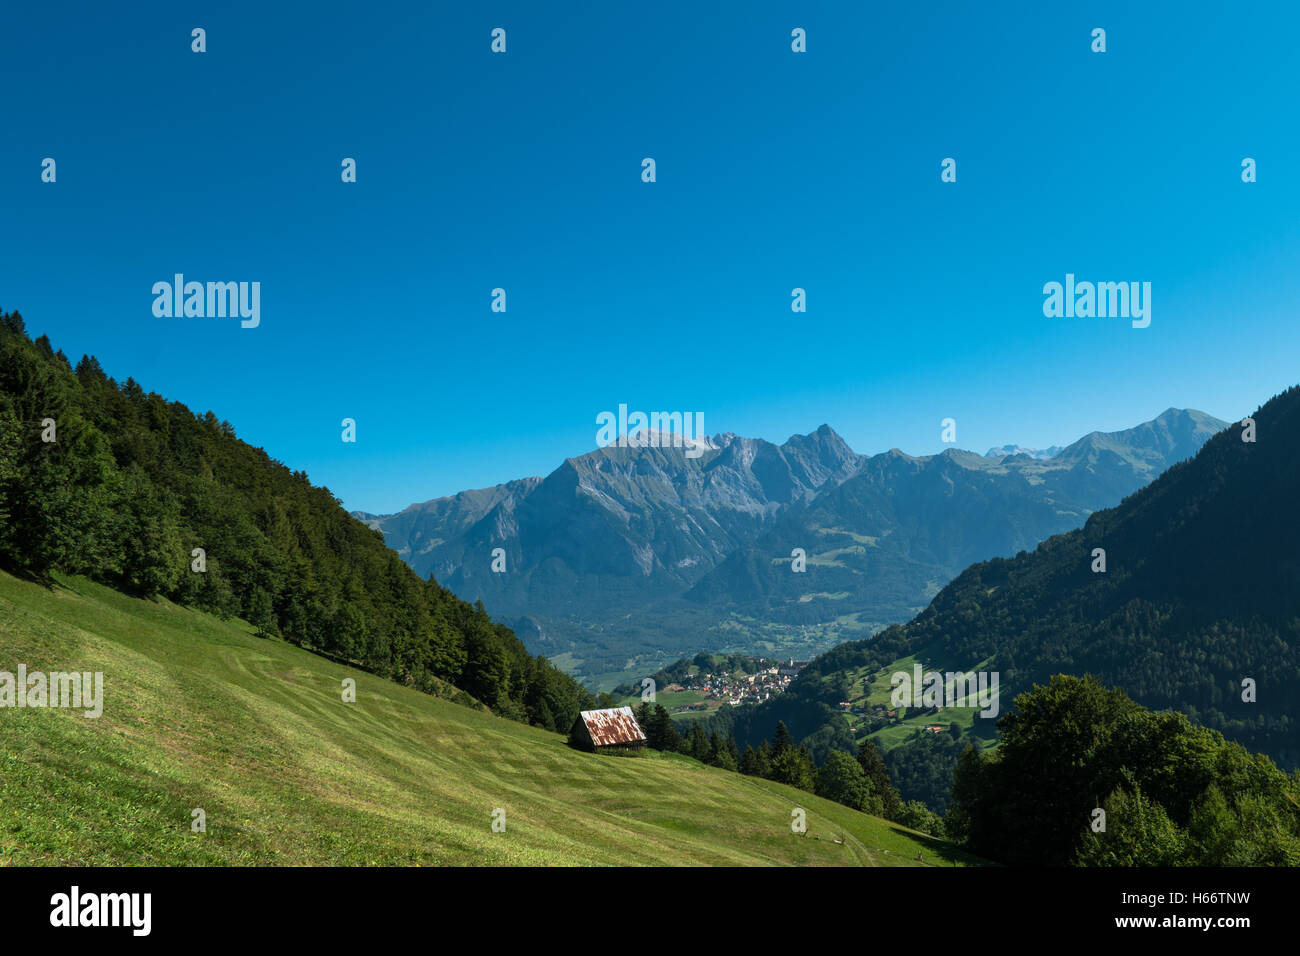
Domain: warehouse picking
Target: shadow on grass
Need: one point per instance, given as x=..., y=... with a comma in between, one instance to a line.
x=937, y=849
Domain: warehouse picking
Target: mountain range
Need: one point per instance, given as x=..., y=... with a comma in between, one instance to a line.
x=625, y=558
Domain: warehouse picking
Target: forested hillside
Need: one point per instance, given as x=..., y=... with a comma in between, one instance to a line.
x=107, y=480
x=1200, y=594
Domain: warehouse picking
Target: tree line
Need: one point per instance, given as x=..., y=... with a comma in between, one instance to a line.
x=1083, y=775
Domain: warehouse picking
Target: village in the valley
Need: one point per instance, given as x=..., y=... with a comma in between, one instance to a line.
x=712, y=690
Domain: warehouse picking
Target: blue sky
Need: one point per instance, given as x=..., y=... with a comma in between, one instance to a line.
x=775, y=170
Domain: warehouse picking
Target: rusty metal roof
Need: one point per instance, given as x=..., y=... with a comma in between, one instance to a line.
x=617, y=725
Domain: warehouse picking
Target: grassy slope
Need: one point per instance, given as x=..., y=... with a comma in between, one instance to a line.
x=200, y=713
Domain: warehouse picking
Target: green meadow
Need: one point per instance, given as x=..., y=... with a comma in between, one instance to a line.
x=878, y=693
x=202, y=714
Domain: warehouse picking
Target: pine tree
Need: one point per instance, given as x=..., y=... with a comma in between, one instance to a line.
x=873, y=765
x=661, y=733
x=782, y=739
x=698, y=744
x=763, y=762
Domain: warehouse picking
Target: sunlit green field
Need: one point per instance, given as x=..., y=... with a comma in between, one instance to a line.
x=201, y=714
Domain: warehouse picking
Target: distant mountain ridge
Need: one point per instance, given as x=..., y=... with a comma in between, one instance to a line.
x=631, y=553
x=1008, y=450
x=881, y=543
x=653, y=511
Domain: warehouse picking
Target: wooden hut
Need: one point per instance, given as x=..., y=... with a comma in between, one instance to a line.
x=615, y=727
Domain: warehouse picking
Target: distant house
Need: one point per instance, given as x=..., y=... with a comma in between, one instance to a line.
x=612, y=728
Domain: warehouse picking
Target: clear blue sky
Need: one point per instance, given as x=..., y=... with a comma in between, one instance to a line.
x=775, y=170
